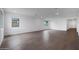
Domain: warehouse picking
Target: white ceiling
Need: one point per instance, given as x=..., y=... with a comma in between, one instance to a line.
x=44, y=12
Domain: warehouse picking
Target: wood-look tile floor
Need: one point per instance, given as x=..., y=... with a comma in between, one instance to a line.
x=40, y=40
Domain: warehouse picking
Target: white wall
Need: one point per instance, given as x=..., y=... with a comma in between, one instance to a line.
x=1, y=27
x=61, y=23
x=27, y=24
x=58, y=23
x=78, y=25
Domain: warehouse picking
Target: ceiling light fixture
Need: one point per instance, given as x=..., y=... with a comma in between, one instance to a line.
x=57, y=11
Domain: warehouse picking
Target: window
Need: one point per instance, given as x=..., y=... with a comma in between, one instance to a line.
x=15, y=22
x=45, y=22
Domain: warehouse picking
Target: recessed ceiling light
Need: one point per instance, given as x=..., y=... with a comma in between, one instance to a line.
x=57, y=11
x=41, y=17
x=15, y=11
